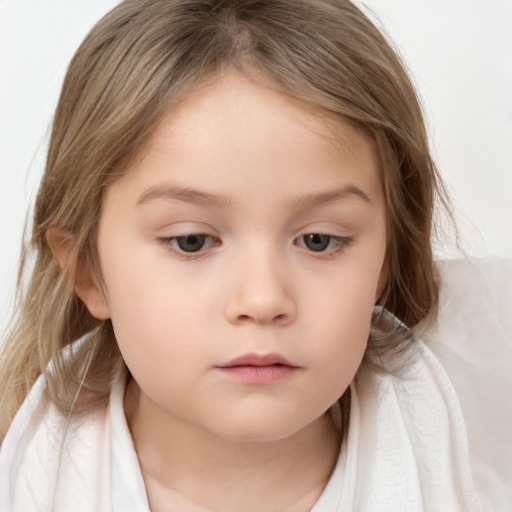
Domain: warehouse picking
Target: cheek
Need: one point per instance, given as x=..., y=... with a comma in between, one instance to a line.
x=155, y=322
x=342, y=345
x=159, y=342
x=340, y=319
x=152, y=315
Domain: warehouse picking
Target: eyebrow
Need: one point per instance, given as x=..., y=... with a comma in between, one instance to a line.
x=309, y=201
x=206, y=199
x=188, y=195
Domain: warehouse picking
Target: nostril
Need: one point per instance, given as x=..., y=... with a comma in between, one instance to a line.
x=259, y=319
x=270, y=307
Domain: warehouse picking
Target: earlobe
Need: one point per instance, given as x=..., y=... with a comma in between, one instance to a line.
x=79, y=274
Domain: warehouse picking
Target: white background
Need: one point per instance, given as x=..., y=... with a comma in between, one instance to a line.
x=459, y=52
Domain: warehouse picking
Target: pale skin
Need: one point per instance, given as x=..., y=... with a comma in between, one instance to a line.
x=292, y=262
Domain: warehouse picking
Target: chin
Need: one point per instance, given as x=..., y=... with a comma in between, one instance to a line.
x=260, y=430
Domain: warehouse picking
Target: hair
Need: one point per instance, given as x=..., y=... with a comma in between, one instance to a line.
x=144, y=57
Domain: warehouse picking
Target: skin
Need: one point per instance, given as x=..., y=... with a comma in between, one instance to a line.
x=275, y=172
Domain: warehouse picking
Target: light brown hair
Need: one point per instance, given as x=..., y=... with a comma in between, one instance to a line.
x=145, y=56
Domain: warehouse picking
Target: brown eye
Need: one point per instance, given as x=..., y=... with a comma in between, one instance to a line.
x=330, y=245
x=191, y=243
x=316, y=241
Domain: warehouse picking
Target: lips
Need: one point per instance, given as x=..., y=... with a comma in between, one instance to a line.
x=258, y=368
x=254, y=359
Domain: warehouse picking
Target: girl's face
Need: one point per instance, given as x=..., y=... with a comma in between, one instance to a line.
x=242, y=256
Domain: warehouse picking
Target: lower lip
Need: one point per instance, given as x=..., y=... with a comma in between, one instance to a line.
x=258, y=374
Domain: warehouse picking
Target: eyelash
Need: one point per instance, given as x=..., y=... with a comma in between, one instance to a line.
x=171, y=243
x=341, y=243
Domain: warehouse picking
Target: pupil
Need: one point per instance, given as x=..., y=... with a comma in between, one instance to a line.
x=317, y=242
x=191, y=243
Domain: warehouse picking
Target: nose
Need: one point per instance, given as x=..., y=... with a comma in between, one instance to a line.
x=260, y=294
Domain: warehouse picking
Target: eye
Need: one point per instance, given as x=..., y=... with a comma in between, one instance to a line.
x=191, y=243
x=316, y=241
x=319, y=242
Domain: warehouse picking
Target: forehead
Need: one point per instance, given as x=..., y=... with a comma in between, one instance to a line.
x=230, y=126
x=252, y=95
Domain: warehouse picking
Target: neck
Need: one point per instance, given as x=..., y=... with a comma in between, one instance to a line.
x=227, y=475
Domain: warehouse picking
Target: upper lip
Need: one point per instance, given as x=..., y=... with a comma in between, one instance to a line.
x=255, y=359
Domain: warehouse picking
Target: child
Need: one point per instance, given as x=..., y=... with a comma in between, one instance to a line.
x=233, y=261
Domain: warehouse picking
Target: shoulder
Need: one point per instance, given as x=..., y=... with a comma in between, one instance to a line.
x=472, y=339
x=49, y=457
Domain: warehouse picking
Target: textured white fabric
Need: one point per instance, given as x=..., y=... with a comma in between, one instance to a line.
x=34, y=450
x=473, y=341
x=416, y=442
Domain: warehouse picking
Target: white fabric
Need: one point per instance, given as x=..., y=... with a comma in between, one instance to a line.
x=473, y=341
x=407, y=447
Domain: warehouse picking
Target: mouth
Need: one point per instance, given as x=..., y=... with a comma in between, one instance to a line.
x=258, y=368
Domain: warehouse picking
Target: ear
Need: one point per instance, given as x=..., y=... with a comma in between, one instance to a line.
x=382, y=281
x=79, y=273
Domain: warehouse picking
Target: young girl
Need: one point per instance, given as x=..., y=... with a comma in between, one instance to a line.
x=232, y=265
